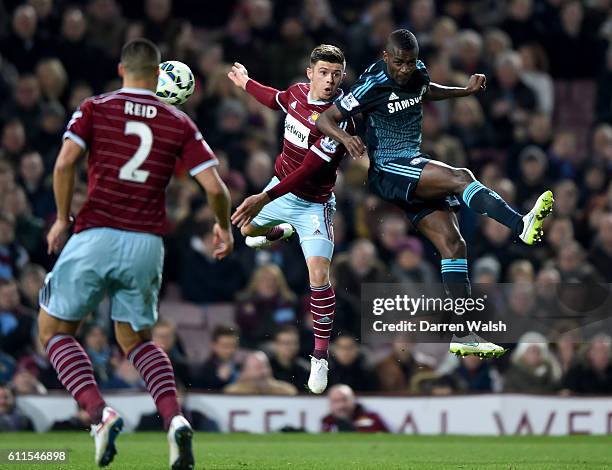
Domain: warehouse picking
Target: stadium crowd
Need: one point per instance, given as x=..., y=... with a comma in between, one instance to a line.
x=544, y=121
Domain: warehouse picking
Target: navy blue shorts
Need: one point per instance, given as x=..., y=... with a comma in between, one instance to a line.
x=396, y=182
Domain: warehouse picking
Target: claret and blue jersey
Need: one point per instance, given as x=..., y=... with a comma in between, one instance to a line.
x=393, y=112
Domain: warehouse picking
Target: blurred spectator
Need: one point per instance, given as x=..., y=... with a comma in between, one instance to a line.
x=348, y=415
x=592, y=373
x=573, y=265
x=284, y=360
x=7, y=367
x=521, y=270
x=534, y=75
x=600, y=255
x=13, y=141
x=28, y=228
x=38, y=190
x=25, y=383
x=198, y=421
x=31, y=281
x=533, y=368
x=410, y=265
x=508, y=101
x=165, y=336
x=256, y=379
x=203, y=278
x=519, y=22
x=348, y=366
x=16, y=321
x=360, y=264
x=396, y=370
x=80, y=421
x=53, y=80
x=82, y=60
x=106, y=25
x=25, y=105
x=222, y=367
x=266, y=303
x=475, y=375
x=24, y=47
x=11, y=418
x=96, y=346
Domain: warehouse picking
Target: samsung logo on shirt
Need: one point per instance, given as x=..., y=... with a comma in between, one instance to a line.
x=399, y=105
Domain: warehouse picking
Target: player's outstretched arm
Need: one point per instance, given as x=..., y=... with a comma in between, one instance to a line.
x=63, y=186
x=252, y=205
x=266, y=95
x=328, y=123
x=438, y=92
x=220, y=203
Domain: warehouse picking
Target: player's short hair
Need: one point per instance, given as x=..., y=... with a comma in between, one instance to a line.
x=403, y=40
x=140, y=57
x=327, y=53
x=223, y=330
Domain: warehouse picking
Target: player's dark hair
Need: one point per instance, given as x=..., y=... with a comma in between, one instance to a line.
x=327, y=53
x=140, y=56
x=403, y=40
x=223, y=330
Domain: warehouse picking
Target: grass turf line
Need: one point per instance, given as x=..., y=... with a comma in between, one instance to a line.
x=331, y=451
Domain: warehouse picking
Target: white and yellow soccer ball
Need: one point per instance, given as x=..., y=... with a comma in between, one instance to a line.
x=175, y=83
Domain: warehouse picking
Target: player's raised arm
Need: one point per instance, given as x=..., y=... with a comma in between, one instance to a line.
x=268, y=96
x=329, y=124
x=438, y=92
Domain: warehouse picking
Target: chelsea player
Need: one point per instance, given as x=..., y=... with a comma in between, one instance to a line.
x=390, y=95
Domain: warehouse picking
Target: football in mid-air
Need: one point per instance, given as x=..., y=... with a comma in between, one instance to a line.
x=175, y=83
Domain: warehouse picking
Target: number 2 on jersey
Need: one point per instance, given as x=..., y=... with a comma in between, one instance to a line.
x=130, y=171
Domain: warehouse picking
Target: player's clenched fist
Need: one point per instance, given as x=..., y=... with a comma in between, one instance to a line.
x=354, y=146
x=476, y=83
x=239, y=75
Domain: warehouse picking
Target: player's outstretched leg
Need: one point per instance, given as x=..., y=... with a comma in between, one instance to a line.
x=322, y=308
x=276, y=233
x=439, y=180
x=442, y=229
x=75, y=372
x=156, y=370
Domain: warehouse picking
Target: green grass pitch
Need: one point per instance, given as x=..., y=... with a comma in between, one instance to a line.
x=332, y=451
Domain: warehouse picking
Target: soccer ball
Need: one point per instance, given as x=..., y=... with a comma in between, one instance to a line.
x=175, y=83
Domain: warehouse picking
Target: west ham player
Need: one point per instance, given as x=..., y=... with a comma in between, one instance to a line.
x=134, y=141
x=300, y=193
x=389, y=94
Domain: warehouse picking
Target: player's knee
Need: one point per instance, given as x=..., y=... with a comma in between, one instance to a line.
x=318, y=274
x=44, y=337
x=462, y=178
x=248, y=230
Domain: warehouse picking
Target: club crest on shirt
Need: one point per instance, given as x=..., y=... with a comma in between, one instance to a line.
x=329, y=145
x=349, y=102
x=313, y=117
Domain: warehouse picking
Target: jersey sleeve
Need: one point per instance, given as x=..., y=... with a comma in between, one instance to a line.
x=79, y=128
x=196, y=153
x=361, y=97
x=327, y=148
x=268, y=96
